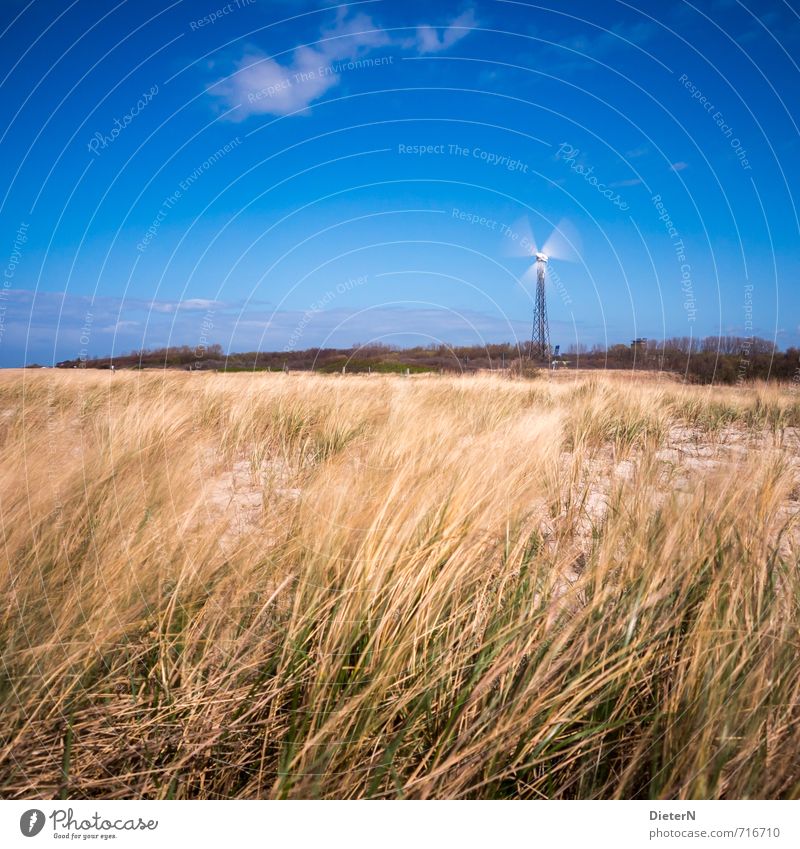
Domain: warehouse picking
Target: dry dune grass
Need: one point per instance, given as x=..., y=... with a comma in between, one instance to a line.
x=299, y=586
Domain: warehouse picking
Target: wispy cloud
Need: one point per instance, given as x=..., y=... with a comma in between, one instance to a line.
x=50, y=326
x=38, y=323
x=679, y=166
x=263, y=85
x=190, y=305
x=119, y=326
x=432, y=40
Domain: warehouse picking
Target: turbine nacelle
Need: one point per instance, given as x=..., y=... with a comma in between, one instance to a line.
x=540, y=257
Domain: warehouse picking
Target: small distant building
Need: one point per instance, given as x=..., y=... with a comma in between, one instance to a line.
x=557, y=362
x=639, y=344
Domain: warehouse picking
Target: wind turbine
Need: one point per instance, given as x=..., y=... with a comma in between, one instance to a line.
x=563, y=244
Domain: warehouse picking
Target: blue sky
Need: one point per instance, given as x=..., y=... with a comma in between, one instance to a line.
x=290, y=174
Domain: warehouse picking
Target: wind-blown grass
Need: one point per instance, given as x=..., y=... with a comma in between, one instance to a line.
x=320, y=586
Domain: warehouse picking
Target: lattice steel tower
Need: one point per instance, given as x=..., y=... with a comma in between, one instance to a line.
x=540, y=333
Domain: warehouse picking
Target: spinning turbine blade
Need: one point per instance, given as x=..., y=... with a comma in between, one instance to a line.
x=524, y=244
x=564, y=243
x=529, y=277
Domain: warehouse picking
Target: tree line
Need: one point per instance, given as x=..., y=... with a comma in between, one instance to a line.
x=723, y=359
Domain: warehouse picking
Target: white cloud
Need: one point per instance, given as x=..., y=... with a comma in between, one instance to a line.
x=190, y=304
x=263, y=85
x=679, y=166
x=432, y=40
x=200, y=304
x=162, y=306
x=119, y=326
